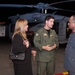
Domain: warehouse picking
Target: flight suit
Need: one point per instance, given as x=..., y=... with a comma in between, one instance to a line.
x=45, y=59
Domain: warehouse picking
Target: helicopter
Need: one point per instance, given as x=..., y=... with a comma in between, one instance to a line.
x=36, y=19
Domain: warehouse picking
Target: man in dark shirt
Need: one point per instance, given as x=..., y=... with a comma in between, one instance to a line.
x=70, y=48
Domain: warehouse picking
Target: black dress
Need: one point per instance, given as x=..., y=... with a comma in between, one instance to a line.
x=21, y=67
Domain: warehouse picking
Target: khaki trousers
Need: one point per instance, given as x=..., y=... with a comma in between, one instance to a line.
x=47, y=68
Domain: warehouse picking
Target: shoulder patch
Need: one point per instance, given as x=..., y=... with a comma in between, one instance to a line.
x=51, y=35
x=45, y=34
x=36, y=34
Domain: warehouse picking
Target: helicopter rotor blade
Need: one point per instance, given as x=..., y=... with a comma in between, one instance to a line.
x=54, y=8
x=16, y=5
x=61, y=2
x=39, y=6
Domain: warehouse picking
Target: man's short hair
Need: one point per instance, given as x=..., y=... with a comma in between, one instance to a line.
x=48, y=17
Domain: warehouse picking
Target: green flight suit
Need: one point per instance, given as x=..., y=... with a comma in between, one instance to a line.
x=45, y=59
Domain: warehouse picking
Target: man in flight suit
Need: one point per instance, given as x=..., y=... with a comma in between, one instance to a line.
x=46, y=41
x=70, y=48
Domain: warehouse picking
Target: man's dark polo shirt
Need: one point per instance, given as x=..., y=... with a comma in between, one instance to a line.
x=70, y=53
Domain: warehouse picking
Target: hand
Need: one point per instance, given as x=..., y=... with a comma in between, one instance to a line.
x=26, y=42
x=48, y=47
x=34, y=52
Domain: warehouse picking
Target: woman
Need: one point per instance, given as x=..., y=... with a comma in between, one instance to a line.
x=21, y=44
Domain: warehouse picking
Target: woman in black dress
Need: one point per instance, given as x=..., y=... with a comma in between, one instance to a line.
x=21, y=44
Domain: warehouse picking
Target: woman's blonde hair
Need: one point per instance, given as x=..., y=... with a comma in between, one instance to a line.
x=19, y=27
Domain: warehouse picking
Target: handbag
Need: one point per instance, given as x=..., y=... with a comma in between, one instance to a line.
x=13, y=56
x=20, y=56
